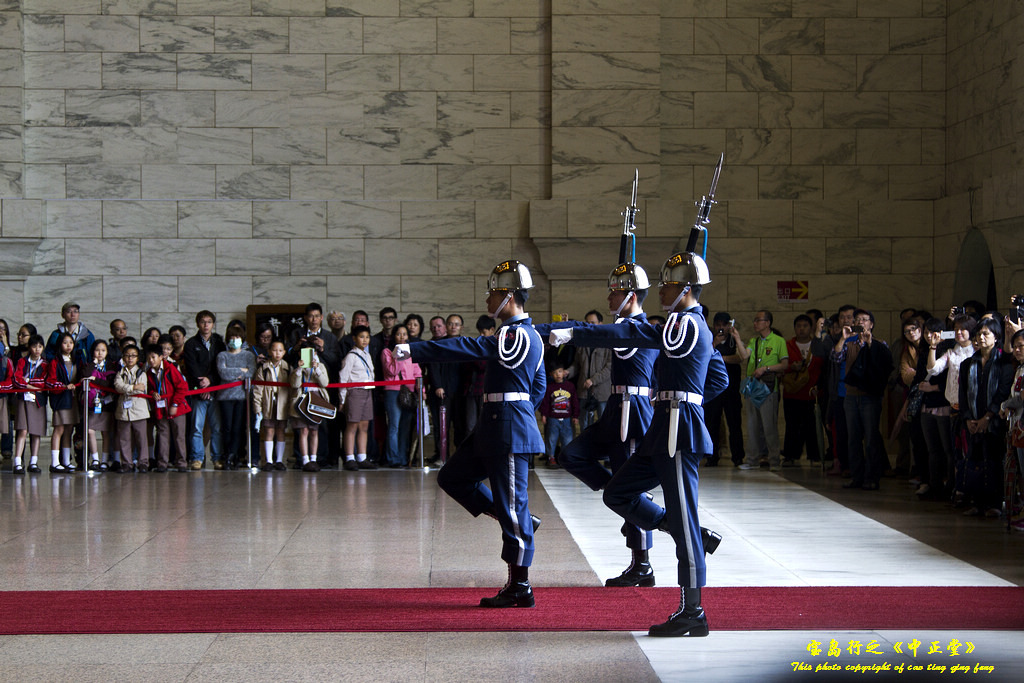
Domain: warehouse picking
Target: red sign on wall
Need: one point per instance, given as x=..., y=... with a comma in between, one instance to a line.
x=791, y=291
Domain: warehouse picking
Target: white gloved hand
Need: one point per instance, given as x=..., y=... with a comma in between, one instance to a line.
x=560, y=337
x=259, y=421
x=402, y=352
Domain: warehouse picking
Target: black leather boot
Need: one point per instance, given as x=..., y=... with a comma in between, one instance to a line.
x=637, y=574
x=708, y=538
x=516, y=593
x=688, y=620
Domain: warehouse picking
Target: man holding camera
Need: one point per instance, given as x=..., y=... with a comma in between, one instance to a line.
x=767, y=360
x=727, y=342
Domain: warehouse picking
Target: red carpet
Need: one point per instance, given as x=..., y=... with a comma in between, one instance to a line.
x=455, y=609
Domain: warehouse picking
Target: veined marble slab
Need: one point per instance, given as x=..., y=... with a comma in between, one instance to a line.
x=230, y=219
x=151, y=219
x=379, y=220
x=289, y=219
x=178, y=257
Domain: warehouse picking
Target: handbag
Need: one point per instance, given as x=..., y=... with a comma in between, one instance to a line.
x=406, y=400
x=914, y=401
x=315, y=407
x=757, y=392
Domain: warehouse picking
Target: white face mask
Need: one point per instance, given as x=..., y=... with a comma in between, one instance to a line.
x=234, y=343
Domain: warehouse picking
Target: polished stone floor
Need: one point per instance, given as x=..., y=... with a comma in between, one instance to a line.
x=394, y=528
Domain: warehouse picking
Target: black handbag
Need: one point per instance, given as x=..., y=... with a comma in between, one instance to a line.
x=406, y=400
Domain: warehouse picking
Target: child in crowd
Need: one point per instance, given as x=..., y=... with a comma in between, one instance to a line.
x=6, y=385
x=168, y=391
x=303, y=429
x=270, y=404
x=358, y=402
x=61, y=376
x=132, y=410
x=560, y=412
x=178, y=336
x=30, y=411
x=233, y=365
x=101, y=371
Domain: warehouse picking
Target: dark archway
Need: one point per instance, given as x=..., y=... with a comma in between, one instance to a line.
x=975, y=277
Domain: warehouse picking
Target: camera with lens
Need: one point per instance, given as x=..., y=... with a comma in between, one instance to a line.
x=1016, y=308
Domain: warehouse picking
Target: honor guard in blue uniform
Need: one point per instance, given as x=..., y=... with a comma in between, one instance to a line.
x=506, y=434
x=627, y=417
x=688, y=372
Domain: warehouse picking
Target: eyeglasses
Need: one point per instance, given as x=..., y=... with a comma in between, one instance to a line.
x=389, y=317
x=760, y=320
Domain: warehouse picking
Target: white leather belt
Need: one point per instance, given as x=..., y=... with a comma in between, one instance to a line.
x=639, y=391
x=687, y=396
x=509, y=396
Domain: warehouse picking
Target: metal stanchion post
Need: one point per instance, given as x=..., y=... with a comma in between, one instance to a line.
x=85, y=424
x=419, y=417
x=248, y=422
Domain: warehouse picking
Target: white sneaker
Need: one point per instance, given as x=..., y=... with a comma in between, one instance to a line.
x=748, y=466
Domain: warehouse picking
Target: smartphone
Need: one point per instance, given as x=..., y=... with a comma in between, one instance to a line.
x=732, y=323
x=857, y=329
x=306, y=356
x=947, y=334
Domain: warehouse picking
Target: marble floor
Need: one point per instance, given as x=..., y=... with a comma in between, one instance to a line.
x=396, y=529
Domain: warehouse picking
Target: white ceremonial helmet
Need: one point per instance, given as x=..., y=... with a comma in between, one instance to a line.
x=628, y=277
x=685, y=268
x=509, y=276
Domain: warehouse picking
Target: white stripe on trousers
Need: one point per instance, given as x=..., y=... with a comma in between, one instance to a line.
x=684, y=514
x=512, y=508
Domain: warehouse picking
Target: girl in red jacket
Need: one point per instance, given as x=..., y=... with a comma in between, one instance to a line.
x=61, y=376
x=30, y=408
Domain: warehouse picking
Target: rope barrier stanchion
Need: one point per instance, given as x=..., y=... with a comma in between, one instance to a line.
x=248, y=422
x=419, y=418
x=86, y=381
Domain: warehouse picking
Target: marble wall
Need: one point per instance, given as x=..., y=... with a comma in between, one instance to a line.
x=158, y=157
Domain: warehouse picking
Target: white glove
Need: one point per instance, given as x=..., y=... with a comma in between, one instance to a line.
x=402, y=352
x=560, y=337
x=259, y=421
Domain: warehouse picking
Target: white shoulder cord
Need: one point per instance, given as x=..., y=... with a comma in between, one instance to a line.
x=674, y=340
x=620, y=353
x=510, y=350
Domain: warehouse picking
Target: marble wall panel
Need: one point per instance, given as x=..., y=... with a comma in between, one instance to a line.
x=672, y=217
x=474, y=36
x=605, y=107
x=405, y=35
x=348, y=293
x=108, y=180
x=697, y=73
x=404, y=256
x=889, y=8
x=467, y=110
x=725, y=109
x=893, y=146
x=149, y=145
x=325, y=35
x=676, y=35
x=824, y=73
x=43, y=291
x=855, y=182
x=474, y=182
x=74, y=219
x=12, y=302
x=677, y=181
x=758, y=146
x=438, y=295
x=279, y=109
x=549, y=218
x=502, y=219
x=598, y=180
x=599, y=218
x=101, y=257
x=118, y=33
x=759, y=73
x=251, y=34
x=918, y=35
x=797, y=109
x=140, y=293
x=676, y=109
x=178, y=181
x=11, y=106
x=103, y=108
x=12, y=70
x=11, y=180
x=603, y=70
x=687, y=146
x=58, y=70
x=455, y=257
x=297, y=146
x=379, y=220
x=440, y=219
x=178, y=256
x=214, y=7
x=359, y=72
x=511, y=146
x=176, y=34
x=251, y=257
x=182, y=108
x=148, y=71
x=790, y=182
x=327, y=256
x=859, y=256
x=628, y=145
x=889, y=72
x=596, y=33
x=734, y=255
x=436, y=72
x=913, y=255
x=283, y=220
x=407, y=109
x=140, y=219
x=364, y=145
x=791, y=36
x=721, y=36
x=531, y=181
x=512, y=72
x=605, y=7
x=917, y=182
x=530, y=109
x=253, y=182
x=327, y=182
x=893, y=292
x=215, y=219
x=138, y=7
x=856, y=109
x=769, y=219
x=802, y=256
x=510, y=8
x=896, y=218
x=917, y=109
x=436, y=8
x=289, y=72
x=288, y=8
x=400, y=182
x=45, y=182
x=857, y=36
x=214, y=145
x=219, y=293
x=42, y=33
x=10, y=142
x=214, y=72
x=828, y=146
x=22, y=218
x=281, y=289
x=530, y=35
